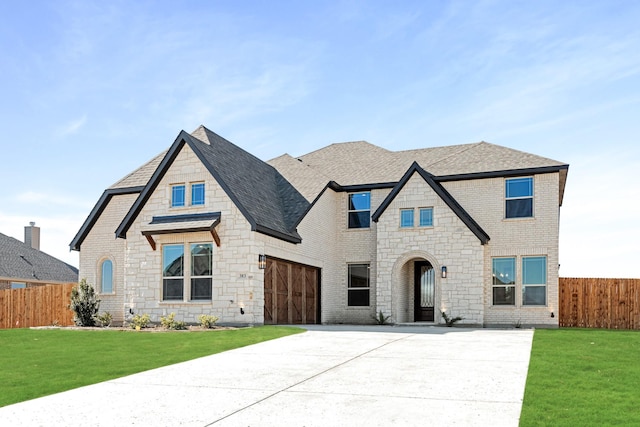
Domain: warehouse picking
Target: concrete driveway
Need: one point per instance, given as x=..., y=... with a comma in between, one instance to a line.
x=328, y=376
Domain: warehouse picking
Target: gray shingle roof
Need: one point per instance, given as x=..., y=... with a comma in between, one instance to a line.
x=267, y=200
x=356, y=163
x=20, y=261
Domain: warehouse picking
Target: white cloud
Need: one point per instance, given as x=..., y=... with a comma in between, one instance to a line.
x=72, y=127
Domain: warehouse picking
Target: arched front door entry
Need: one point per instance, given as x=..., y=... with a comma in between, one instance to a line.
x=425, y=291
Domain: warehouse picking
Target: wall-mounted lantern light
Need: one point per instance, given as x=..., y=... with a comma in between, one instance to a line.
x=444, y=272
x=262, y=261
x=552, y=315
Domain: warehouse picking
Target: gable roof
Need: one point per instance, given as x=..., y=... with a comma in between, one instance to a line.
x=471, y=224
x=20, y=261
x=267, y=200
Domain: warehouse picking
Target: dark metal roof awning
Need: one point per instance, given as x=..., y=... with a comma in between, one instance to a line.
x=187, y=223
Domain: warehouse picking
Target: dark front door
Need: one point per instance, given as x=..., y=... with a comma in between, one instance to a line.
x=425, y=291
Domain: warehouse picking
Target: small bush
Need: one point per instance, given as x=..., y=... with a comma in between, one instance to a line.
x=84, y=304
x=169, y=322
x=207, y=321
x=451, y=320
x=105, y=319
x=140, y=321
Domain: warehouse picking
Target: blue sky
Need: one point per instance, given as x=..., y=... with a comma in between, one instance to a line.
x=91, y=90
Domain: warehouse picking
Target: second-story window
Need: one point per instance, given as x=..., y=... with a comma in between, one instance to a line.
x=177, y=195
x=359, y=215
x=519, y=198
x=406, y=218
x=197, y=194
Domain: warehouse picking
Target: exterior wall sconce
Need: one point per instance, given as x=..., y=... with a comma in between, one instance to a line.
x=262, y=261
x=552, y=315
x=241, y=310
x=444, y=272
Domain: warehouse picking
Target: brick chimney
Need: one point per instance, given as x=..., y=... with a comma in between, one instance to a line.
x=32, y=235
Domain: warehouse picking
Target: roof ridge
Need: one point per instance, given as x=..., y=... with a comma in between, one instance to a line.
x=466, y=147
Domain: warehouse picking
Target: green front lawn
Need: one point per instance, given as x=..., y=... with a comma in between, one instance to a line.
x=40, y=362
x=583, y=377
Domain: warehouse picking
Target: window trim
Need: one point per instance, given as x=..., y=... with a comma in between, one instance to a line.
x=359, y=288
x=412, y=217
x=199, y=202
x=175, y=187
x=535, y=285
x=193, y=276
x=508, y=199
x=350, y=211
x=102, y=266
x=512, y=285
x=420, y=210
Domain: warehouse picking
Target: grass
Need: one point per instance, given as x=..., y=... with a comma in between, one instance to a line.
x=40, y=362
x=583, y=377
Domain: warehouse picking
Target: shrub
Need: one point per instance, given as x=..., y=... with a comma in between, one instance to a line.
x=84, y=304
x=140, y=321
x=450, y=320
x=105, y=319
x=207, y=321
x=169, y=322
x=381, y=319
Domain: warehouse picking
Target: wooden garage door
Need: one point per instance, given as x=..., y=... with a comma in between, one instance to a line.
x=291, y=293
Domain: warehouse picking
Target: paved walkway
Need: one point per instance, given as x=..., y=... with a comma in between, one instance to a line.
x=328, y=376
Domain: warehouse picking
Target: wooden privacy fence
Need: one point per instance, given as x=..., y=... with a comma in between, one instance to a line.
x=599, y=303
x=36, y=306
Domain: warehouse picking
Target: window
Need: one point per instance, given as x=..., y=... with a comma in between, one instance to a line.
x=199, y=267
x=201, y=271
x=177, y=196
x=519, y=198
x=106, y=277
x=426, y=217
x=18, y=285
x=173, y=272
x=358, y=285
x=534, y=280
x=197, y=194
x=359, y=206
x=406, y=218
x=504, y=279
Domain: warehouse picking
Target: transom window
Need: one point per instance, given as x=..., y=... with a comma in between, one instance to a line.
x=504, y=279
x=200, y=270
x=177, y=195
x=406, y=218
x=519, y=198
x=106, y=277
x=534, y=280
x=426, y=217
x=359, y=210
x=358, y=286
x=197, y=194
x=18, y=285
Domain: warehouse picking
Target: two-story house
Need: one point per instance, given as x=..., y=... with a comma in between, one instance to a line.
x=334, y=236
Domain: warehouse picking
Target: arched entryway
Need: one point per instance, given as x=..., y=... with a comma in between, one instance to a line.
x=416, y=292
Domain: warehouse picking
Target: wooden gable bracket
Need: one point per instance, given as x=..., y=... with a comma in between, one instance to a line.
x=152, y=242
x=215, y=236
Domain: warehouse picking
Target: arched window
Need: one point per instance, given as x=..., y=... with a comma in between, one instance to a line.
x=107, y=277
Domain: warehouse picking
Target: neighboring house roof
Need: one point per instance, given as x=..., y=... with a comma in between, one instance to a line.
x=266, y=199
x=20, y=261
x=441, y=192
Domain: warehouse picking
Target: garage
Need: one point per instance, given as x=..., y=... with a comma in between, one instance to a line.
x=291, y=293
